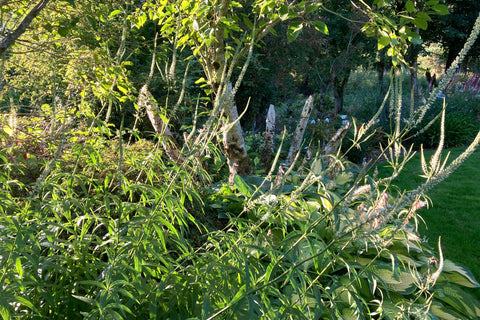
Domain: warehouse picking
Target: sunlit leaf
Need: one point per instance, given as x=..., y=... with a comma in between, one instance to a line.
x=294, y=30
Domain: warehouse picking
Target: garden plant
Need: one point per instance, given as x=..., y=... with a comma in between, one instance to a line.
x=129, y=189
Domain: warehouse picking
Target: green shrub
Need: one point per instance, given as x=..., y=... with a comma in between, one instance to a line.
x=461, y=123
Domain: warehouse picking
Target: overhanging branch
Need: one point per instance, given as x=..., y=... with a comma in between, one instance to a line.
x=11, y=37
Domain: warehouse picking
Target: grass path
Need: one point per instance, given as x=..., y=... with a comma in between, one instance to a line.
x=454, y=213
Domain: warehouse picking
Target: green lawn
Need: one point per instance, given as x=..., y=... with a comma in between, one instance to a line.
x=455, y=210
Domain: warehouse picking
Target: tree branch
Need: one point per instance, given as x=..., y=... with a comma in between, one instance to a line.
x=11, y=37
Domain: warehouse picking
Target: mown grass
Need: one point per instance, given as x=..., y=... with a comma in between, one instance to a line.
x=454, y=210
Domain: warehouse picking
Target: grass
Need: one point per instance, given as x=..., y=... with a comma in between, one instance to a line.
x=454, y=211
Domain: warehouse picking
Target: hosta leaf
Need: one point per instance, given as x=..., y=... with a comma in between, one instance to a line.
x=441, y=311
x=395, y=279
x=459, y=274
x=460, y=300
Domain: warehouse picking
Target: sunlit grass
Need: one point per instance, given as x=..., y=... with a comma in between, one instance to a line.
x=454, y=211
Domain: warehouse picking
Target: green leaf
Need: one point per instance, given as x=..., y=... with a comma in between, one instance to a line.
x=400, y=280
x=242, y=186
x=383, y=42
x=294, y=30
x=312, y=8
x=316, y=166
x=4, y=312
x=63, y=30
x=460, y=300
x=8, y=130
x=421, y=23
x=122, y=88
x=442, y=312
x=441, y=9
x=344, y=178
x=141, y=20
x=320, y=26
x=18, y=267
x=283, y=12
x=410, y=6
x=415, y=40
x=459, y=274
x=25, y=302
x=114, y=13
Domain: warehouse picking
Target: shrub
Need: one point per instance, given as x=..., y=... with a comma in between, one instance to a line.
x=461, y=123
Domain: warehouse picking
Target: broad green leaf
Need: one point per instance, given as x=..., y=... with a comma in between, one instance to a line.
x=459, y=274
x=421, y=23
x=410, y=6
x=312, y=8
x=242, y=186
x=283, y=12
x=442, y=312
x=415, y=40
x=441, y=9
x=316, y=166
x=320, y=26
x=343, y=178
x=383, y=42
x=460, y=300
x=400, y=280
x=326, y=204
x=294, y=30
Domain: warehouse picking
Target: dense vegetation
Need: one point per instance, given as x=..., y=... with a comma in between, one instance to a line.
x=131, y=188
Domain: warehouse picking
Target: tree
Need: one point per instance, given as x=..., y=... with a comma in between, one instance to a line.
x=453, y=29
x=221, y=34
x=10, y=36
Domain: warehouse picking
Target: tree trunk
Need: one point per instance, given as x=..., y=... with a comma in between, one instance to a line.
x=339, y=84
x=233, y=142
x=413, y=85
x=298, y=135
x=268, y=146
x=380, y=74
x=414, y=91
x=169, y=145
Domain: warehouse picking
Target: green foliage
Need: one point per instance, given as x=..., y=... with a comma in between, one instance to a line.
x=98, y=223
x=396, y=24
x=461, y=123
